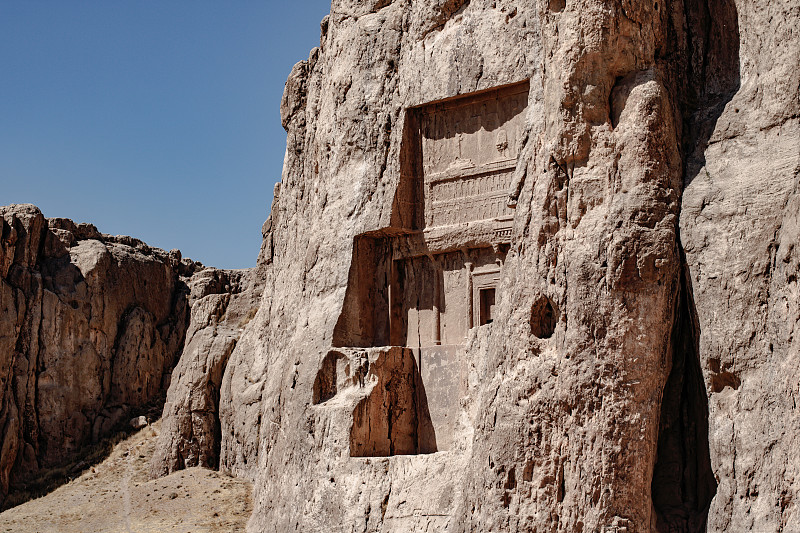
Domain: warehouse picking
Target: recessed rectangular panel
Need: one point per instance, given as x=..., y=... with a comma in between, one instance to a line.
x=469, y=149
x=487, y=306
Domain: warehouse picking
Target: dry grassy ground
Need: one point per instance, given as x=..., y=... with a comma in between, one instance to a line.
x=117, y=496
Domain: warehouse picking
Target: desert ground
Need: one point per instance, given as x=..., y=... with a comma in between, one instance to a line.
x=117, y=495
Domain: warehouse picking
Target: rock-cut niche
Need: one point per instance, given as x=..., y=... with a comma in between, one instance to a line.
x=423, y=282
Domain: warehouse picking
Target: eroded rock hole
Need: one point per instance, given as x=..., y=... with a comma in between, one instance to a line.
x=325, y=383
x=543, y=318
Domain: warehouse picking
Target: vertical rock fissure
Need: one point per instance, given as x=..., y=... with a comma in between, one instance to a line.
x=37, y=440
x=683, y=481
x=215, y=393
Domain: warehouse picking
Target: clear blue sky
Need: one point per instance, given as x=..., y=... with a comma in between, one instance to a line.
x=156, y=119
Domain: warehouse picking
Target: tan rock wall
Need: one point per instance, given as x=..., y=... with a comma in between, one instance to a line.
x=222, y=303
x=640, y=363
x=568, y=425
x=92, y=326
x=739, y=230
x=635, y=368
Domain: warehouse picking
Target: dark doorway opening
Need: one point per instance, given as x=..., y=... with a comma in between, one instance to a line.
x=487, y=306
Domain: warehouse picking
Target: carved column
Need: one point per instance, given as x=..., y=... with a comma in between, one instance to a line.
x=437, y=298
x=393, y=300
x=468, y=269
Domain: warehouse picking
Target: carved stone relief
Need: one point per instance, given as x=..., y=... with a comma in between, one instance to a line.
x=472, y=131
x=468, y=197
x=468, y=150
x=424, y=283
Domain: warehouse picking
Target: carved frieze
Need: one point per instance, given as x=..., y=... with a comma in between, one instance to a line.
x=469, y=147
x=469, y=196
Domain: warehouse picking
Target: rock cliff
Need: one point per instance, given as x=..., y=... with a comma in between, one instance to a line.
x=92, y=326
x=531, y=266
x=222, y=303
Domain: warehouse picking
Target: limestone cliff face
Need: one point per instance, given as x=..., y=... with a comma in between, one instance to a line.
x=616, y=353
x=222, y=303
x=739, y=229
x=531, y=266
x=91, y=328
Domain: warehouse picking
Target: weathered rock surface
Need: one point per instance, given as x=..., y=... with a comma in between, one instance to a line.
x=532, y=266
x=739, y=229
x=92, y=326
x=619, y=353
x=222, y=303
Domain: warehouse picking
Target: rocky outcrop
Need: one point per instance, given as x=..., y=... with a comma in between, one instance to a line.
x=615, y=354
x=531, y=266
x=222, y=303
x=739, y=230
x=92, y=327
